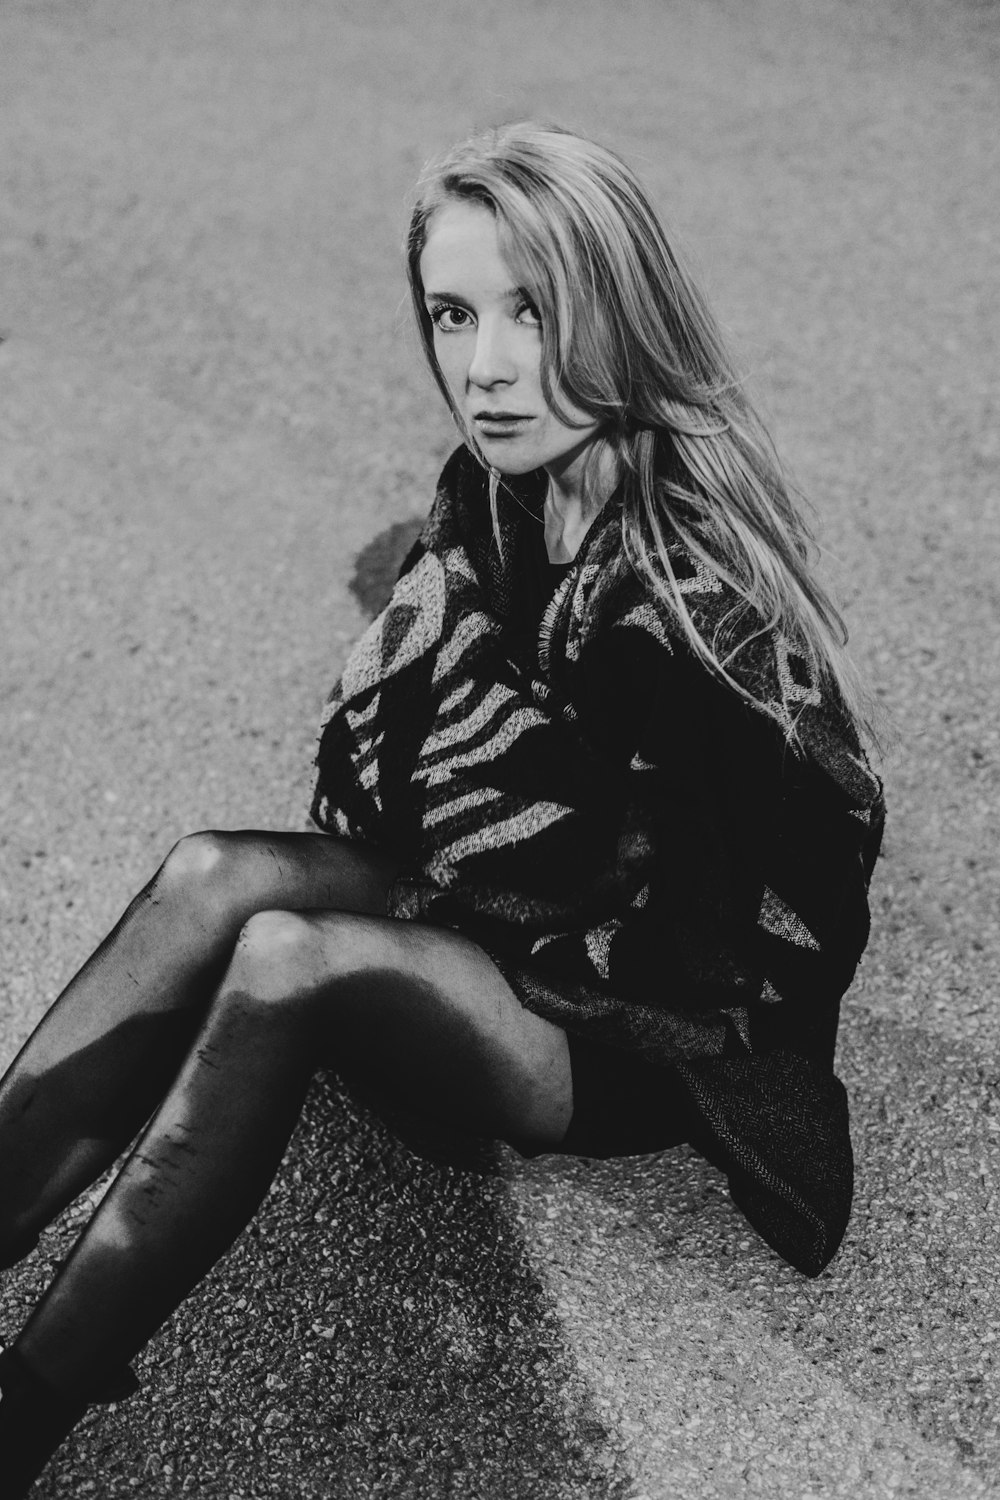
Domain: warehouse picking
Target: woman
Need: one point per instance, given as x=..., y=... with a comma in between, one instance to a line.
x=602, y=823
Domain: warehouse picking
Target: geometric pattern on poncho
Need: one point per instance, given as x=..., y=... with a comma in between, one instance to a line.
x=649, y=860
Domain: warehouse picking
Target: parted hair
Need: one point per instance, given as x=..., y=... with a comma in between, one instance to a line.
x=628, y=338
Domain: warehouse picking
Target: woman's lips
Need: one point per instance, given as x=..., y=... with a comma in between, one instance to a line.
x=501, y=424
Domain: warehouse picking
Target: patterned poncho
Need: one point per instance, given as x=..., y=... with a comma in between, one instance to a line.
x=643, y=853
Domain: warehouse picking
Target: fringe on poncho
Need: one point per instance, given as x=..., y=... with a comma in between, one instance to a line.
x=648, y=858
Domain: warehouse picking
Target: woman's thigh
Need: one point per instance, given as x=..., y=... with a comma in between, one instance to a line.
x=233, y=874
x=418, y=1016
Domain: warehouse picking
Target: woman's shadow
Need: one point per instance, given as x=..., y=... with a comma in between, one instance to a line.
x=378, y=1331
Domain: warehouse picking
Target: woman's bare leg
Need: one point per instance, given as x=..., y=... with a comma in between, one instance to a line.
x=420, y=1009
x=102, y=1058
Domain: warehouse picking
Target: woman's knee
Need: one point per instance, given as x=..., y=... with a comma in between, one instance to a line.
x=231, y=875
x=202, y=869
x=195, y=859
x=276, y=958
x=301, y=956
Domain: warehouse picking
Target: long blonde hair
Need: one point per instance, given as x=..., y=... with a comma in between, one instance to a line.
x=628, y=338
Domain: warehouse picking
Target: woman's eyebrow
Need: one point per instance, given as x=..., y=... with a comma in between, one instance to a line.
x=510, y=294
x=447, y=297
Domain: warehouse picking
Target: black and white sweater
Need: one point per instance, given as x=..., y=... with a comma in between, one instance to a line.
x=640, y=850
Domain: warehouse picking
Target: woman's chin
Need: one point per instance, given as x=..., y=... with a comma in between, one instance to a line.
x=514, y=470
x=507, y=460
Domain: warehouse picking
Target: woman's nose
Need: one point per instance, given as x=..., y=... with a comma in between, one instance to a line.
x=492, y=360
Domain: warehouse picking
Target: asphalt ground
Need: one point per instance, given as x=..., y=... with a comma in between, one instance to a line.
x=216, y=434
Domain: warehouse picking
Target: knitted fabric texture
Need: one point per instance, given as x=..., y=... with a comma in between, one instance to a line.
x=647, y=857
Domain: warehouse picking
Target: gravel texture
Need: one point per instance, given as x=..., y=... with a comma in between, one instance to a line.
x=216, y=442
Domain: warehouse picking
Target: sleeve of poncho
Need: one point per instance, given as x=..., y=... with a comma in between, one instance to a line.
x=759, y=872
x=754, y=920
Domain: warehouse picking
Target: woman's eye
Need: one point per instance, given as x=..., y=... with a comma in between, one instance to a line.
x=528, y=313
x=450, y=319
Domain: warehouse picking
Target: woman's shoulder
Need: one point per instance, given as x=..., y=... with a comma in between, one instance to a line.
x=461, y=469
x=461, y=477
x=474, y=510
x=460, y=513
x=632, y=630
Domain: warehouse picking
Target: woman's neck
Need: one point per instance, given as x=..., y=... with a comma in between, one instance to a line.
x=571, y=506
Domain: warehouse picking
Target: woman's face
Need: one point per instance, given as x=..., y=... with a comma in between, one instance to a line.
x=488, y=343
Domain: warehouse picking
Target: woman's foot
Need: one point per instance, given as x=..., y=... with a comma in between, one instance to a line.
x=16, y=1252
x=34, y=1422
x=114, y=1385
